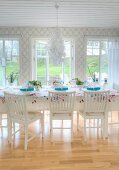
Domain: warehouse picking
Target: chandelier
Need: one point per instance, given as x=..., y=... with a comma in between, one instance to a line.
x=56, y=48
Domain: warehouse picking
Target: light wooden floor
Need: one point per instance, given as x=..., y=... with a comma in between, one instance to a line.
x=95, y=154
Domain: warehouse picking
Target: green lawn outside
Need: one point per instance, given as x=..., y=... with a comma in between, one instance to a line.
x=12, y=67
x=92, y=63
x=53, y=70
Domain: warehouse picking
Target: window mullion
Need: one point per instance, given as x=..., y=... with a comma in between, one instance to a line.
x=4, y=64
x=47, y=68
x=100, y=54
x=63, y=70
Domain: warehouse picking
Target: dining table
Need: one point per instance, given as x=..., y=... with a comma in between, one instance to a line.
x=39, y=99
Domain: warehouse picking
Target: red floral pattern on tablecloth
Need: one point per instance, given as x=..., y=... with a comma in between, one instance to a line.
x=37, y=96
x=2, y=99
x=79, y=96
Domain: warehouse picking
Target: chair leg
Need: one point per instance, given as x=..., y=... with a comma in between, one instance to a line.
x=118, y=116
x=14, y=128
x=106, y=128
x=9, y=128
x=26, y=137
x=111, y=116
x=62, y=123
x=98, y=124
x=84, y=129
x=90, y=124
x=42, y=122
x=50, y=123
x=10, y=132
x=103, y=128
x=72, y=129
x=77, y=121
x=0, y=119
x=1, y=124
x=106, y=124
x=51, y=128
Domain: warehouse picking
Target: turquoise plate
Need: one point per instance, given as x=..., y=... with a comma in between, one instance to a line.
x=61, y=88
x=27, y=89
x=93, y=89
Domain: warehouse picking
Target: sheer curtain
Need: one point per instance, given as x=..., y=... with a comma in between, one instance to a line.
x=113, y=54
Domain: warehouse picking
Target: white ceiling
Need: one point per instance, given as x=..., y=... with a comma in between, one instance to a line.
x=72, y=13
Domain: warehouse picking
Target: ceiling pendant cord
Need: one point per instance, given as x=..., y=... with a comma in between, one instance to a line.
x=57, y=14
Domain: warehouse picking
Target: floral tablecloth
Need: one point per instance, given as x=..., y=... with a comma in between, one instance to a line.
x=39, y=100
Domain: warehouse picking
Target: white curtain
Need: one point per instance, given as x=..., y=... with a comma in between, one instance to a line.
x=113, y=54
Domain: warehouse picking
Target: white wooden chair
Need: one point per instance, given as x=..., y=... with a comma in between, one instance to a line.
x=113, y=106
x=3, y=114
x=1, y=121
x=61, y=108
x=95, y=107
x=17, y=111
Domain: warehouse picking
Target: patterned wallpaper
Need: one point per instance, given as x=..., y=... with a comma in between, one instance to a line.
x=79, y=35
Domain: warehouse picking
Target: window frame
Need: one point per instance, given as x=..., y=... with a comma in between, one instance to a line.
x=100, y=39
x=34, y=59
x=5, y=38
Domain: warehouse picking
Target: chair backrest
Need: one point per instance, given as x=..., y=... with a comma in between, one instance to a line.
x=16, y=105
x=35, y=102
x=114, y=102
x=95, y=101
x=61, y=102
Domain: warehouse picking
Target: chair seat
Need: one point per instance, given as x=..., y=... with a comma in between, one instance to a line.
x=32, y=116
x=92, y=114
x=61, y=116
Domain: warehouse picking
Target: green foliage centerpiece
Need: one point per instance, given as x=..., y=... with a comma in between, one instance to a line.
x=78, y=81
x=36, y=84
x=12, y=77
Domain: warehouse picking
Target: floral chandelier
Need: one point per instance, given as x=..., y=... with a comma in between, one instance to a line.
x=56, y=48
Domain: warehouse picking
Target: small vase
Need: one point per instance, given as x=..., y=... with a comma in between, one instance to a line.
x=36, y=88
x=11, y=84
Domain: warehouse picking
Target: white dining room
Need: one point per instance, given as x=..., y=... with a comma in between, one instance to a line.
x=59, y=84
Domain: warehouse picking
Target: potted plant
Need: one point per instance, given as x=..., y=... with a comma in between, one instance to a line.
x=12, y=77
x=36, y=84
x=78, y=82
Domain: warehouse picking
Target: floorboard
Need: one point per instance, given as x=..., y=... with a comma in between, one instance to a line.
x=61, y=153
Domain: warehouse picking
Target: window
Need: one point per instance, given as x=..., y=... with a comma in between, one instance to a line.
x=46, y=70
x=97, y=60
x=9, y=59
